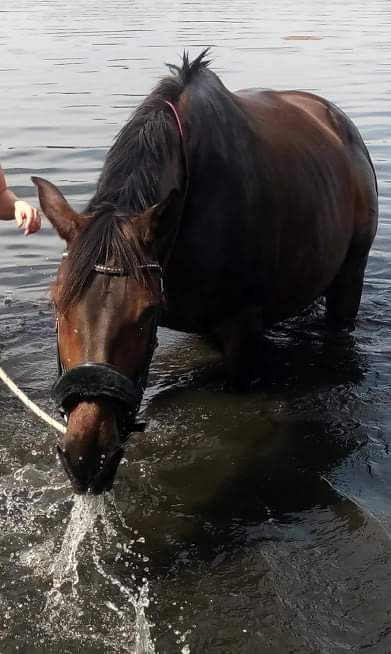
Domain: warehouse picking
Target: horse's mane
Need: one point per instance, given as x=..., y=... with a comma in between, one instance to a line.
x=128, y=184
x=131, y=172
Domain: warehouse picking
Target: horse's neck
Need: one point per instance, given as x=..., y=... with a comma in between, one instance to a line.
x=134, y=184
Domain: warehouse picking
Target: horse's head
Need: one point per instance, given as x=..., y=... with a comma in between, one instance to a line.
x=107, y=297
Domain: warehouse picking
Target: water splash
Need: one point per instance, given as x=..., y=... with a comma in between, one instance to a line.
x=66, y=598
x=64, y=569
x=143, y=643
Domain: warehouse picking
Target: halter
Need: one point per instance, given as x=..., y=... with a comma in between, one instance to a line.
x=176, y=115
x=89, y=379
x=182, y=135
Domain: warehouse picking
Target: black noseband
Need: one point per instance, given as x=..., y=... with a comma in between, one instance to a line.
x=89, y=380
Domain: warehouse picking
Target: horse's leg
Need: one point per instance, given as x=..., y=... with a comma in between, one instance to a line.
x=240, y=337
x=344, y=295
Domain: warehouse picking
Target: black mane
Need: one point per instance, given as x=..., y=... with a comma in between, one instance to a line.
x=130, y=176
x=128, y=184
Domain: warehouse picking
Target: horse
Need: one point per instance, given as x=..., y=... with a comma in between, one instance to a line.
x=217, y=213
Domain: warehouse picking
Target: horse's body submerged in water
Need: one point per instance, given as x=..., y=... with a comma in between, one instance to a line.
x=245, y=207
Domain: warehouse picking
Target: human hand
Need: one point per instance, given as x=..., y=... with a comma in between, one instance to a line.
x=27, y=216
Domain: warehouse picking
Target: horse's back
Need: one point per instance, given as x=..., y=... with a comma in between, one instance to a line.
x=303, y=111
x=303, y=115
x=322, y=187
x=312, y=107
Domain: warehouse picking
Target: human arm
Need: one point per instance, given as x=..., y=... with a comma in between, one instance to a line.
x=12, y=207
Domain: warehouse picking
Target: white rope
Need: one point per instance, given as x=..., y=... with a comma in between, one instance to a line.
x=33, y=407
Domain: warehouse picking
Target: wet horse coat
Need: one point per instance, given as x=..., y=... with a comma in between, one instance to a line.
x=253, y=203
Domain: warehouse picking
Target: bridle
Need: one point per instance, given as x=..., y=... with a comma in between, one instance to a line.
x=89, y=380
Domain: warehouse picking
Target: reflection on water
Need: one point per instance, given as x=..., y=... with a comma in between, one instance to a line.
x=241, y=523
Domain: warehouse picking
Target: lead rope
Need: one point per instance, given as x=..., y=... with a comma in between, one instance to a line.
x=30, y=404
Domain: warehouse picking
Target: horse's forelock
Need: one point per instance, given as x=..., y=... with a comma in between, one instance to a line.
x=107, y=240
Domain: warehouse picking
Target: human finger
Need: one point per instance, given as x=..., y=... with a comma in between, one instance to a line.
x=33, y=222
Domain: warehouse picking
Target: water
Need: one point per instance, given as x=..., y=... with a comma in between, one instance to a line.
x=64, y=571
x=84, y=514
x=239, y=523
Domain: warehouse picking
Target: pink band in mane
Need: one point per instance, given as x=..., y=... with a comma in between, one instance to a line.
x=178, y=120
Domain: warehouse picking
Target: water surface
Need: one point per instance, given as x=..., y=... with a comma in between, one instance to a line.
x=244, y=523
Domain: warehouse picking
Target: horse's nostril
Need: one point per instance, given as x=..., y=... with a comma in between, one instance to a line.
x=94, y=475
x=75, y=472
x=103, y=480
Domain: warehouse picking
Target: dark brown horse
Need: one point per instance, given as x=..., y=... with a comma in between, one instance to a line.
x=216, y=212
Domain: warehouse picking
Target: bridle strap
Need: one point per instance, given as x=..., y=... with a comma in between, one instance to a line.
x=183, y=147
x=178, y=120
x=186, y=164
x=90, y=379
x=60, y=369
x=120, y=272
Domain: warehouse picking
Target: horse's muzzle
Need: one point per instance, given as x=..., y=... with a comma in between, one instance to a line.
x=97, y=381
x=84, y=480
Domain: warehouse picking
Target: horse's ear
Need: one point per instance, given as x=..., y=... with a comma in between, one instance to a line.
x=159, y=222
x=57, y=209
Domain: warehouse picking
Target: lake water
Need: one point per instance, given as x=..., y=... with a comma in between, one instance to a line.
x=240, y=524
